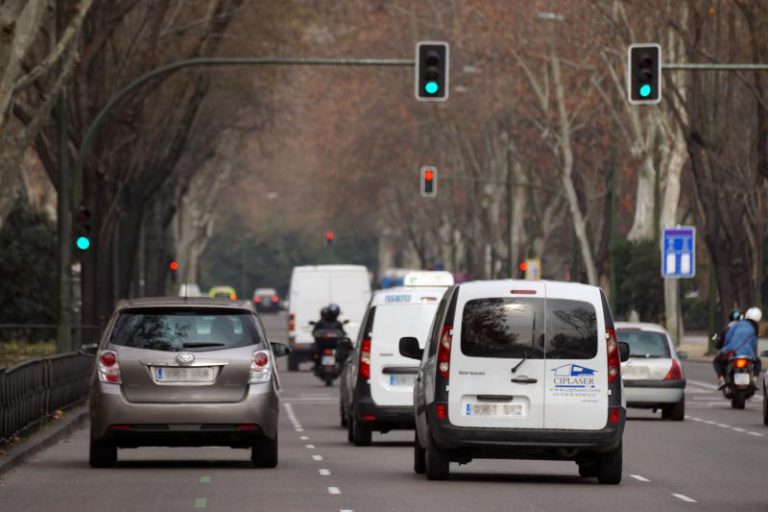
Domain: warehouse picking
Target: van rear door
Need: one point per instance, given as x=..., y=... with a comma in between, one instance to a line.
x=497, y=359
x=351, y=290
x=576, y=360
x=310, y=292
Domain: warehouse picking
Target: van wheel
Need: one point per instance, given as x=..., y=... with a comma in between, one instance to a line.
x=419, y=457
x=437, y=463
x=350, y=437
x=102, y=454
x=609, y=467
x=674, y=412
x=342, y=415
x=765, y=407
x=293, y=363
x=264, y=454
x=738, y=401
x=588, y=469
x=361, y=434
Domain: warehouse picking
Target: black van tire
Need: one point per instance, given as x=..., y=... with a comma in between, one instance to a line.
x=419, y=457
x=293, y=363
x=102, y=454
x=765, y=407
x=437, y=465
x=610, y=467
x=342, y=415
x=264, y=453
x=674, y=412
x=588, y=468
x=361, y=434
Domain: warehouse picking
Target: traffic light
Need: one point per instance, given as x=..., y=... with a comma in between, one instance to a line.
x=428, y=181
x=431, y=71
x=83, y=229
x=173, y=265
x=523, y=266
x=329, y=238
x=644, y=73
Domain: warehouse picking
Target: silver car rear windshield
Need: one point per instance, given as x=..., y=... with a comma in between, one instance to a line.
x=185, y=329
x=645, y=344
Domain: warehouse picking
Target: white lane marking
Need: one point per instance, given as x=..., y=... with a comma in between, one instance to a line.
x=324, y=472
x=346, y=510
x=309, y=446
x=684, y=498
x=712, y=387
x=317, y=457
x=710, y=422
x=640, y=478
x=334, y=490
x=756, y=434
x=723, y=425
x=304, y=438
x=292, y=417
x=737, y=429
x=697, y=419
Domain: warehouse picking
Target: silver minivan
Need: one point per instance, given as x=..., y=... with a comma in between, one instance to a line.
x=184, y=372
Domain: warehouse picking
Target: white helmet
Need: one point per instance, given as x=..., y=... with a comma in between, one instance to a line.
x=754, y=314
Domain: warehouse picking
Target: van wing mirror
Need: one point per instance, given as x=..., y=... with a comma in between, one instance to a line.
x=280, y=349
x=764, y=353
x=89, y=349
x=623, y=351
x=409, y=347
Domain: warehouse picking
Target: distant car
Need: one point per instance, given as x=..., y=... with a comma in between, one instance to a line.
x=266, y=300
x=190, y=290
x=653, y=377
x=224, y=292
x=184, y=372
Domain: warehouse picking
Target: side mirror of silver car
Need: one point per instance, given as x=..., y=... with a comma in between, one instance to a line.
x=88, y=349
x=280, y=349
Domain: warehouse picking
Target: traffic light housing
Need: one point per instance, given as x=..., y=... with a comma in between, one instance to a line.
x=644, y=73
x=428, y=181
x=432, y=71
x=83, y=229
x=330, y=236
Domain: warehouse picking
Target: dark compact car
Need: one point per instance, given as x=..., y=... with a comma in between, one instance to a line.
x=266, y=300
x=184, y=372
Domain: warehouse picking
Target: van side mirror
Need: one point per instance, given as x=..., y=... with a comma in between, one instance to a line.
x=682, y=355
x=280, y=349
x=312, y=322
x=89, y=349
x=409, y=347
x=623, y=351
x=764, y=353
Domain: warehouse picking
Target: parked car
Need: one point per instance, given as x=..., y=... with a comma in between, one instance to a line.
x=184, y=372
x=224, y=292
x=314, y=287
x=520, y=370
x=377, y=383
x=266, y=300
x=653, y=376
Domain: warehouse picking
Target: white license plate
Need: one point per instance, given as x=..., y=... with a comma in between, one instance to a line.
x=505, y=410
x=404, y=379
x=635, y=372
x=328, y=360
x=171, y=374
x=741, y=379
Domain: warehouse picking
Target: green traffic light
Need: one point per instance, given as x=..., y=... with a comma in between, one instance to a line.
x=83, y=243
x=431, y=87
x=645, y=90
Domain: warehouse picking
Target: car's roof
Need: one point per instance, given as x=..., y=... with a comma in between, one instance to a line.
x=181, y=302
x=408, y=295
x=523, y=284
x=642, y=326
x=314, y=268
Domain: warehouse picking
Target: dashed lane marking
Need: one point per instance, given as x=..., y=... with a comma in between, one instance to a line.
x=324, y=472
x=304, y=438
x=309, y=446
x=317, y=457
x=292, y=418
x=737, y=429
x=640, y=478
x=205, y=479
x=334, y=490
x=756, y=434
x=683, y=497
x=725, y=426
x=201, y=502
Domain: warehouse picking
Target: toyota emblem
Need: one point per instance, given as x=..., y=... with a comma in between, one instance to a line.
x=185, y=358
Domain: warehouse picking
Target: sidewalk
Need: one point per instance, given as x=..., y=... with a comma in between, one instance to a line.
x=696, y=345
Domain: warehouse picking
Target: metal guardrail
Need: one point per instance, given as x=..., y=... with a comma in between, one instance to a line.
x=33, y=391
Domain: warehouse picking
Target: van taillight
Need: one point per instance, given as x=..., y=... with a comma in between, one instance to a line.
x=364, y=368
x=441, y=411
x=614, y=360
x=444, y=352
x=674, y=373
x=291, y=322
x=614, y=415
x=109, y=368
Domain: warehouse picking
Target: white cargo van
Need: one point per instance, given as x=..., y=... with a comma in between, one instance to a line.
x=314, y=287
x=520, y=370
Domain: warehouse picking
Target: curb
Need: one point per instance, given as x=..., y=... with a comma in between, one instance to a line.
x=42, y=438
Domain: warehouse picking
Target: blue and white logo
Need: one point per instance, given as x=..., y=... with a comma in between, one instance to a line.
x=574, y=376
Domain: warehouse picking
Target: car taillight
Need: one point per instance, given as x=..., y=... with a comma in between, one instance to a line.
x=364, y=368
x=441, y=411
x=232, y=296
x=109, y=368
x=275, y=298
x=740, y=363
x=328, y=352
x=261, y=368
x=291, y=322
x=257, y=300
x=674, y=373
x=444, y=352
x=614, y=360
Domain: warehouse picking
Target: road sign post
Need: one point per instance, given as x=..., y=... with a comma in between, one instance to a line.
x=678, y=252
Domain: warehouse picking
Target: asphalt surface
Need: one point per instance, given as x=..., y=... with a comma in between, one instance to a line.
x=715, y=460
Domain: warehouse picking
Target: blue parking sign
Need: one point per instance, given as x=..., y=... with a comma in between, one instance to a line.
x=678, y=252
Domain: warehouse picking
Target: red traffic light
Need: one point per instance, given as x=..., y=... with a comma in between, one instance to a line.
x=329, y=236
x=523, y=266
x=429, y=175
x=174, y=265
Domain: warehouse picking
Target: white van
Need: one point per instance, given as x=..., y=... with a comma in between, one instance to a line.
x=377, y=384
x=314, y=287
x=520, y=370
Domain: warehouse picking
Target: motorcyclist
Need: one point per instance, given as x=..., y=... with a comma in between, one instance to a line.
x=329, y=319
x=741, y=340
x=734, y=316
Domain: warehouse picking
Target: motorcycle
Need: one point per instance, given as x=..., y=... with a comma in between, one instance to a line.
x=330, y=351
x=740, y=383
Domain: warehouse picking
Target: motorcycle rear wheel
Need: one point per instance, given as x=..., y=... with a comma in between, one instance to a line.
x=738, y=401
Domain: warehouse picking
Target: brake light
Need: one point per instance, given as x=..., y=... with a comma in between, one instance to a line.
x=275, y=298
x=257, y=300
x=328, y=351
x=441, y=411
x=614, y=360
x=261, y=367
x=109, y=368
x=291, y=322
x=120, y=427
x=741, y=363
x=674, y=373
x=614, y=415
x=364, y=368
x=444, y=352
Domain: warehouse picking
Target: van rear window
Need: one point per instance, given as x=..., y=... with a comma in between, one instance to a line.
x=503, y=327
x=571, y=329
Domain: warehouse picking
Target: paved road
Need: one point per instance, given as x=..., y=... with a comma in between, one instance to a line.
x=714, y=461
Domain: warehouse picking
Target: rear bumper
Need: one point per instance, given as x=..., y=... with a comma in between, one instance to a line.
x=183, y=424
x=381, y=417
x=652, y=393
x=553, y=444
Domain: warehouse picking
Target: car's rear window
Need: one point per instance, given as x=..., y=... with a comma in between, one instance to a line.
x=184, y=329
x=503, y=327
x=646, y=344
x=571, y=329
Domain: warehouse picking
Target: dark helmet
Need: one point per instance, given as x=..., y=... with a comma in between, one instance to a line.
x=324, y=313
x=332, y=312
x=734, y=315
